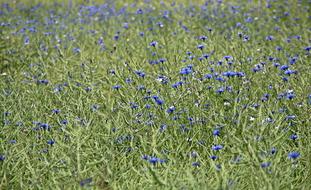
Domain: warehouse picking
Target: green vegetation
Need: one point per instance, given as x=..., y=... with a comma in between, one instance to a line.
x=155, y=95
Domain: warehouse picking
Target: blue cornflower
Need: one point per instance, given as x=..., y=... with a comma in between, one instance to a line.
x=265, y=164
x=213, y=157
x=144, y=157
x=44, y=81
x=154, y=160
x=85, y=182
x=186, y=70
x=227, y=57
x=249, y=19
x=158, y=100
x=44, y=126
x=162, y=60
x=307, y=48
x=201, y=46
x=196, y=164
x=293, y=155
x=153, y=43
x=139, y=11
x=51, y=142
x=273, y=150
x=140, y=73
x=171, y=109
x=220, y=90
x=290, y=96
x=88, y=89
x=220, y=79
x=216, y=132
x=194, y=154
x=116, y=87
x=163, y=127
x=2, y=157
x=76, y=50
x=278, y=48
x=147, y=106
x=64, y=122
x=133, y=105
x=208, y=76
x=128, y=80
x=126, y=25
x=26, y=40
x=12, y=141
x=240, y=74
x=177, y=84
x=269, y=38
x=56, y=111
x=284, y=67
x=290, y=72
x=203, y=38
x=217, y=147
x=294, y=136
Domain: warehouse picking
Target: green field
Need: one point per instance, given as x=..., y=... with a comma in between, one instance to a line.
x=155, y=95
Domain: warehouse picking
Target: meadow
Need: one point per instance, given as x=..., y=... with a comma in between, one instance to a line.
x=155, y=94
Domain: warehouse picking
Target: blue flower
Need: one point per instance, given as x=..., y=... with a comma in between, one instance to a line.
x=85, y=182
x=290, y=72
x=294, y=136
x=56, y=111
x=171, y=109
x=217, y=147
x=158, y=100
x=186, y=70
x=163, y=127
x=284, y=67
x=116, y=87
x=203, y=38
x=12, y=141
x=64, y=122
x=26, y=40
x=227, y=57
x=216, y=132
x=153, y=43
x=208, y=76
x=139, y=11
x=133, y=105
x=201, y=46
x=76, y=50
x=51, y=142
x=220, y=90
x=265, y=164
x=196, y=164
x=177, y=84
x=140, y=73
x=269, y=38
x=293, y=155
x=213, y=157
x=2, y=157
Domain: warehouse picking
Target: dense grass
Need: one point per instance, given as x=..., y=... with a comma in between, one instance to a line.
x=194, y=95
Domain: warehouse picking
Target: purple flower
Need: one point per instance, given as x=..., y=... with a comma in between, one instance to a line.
x=265, y=164
x=216, y=132
x=201, y=46
x=85, y=182
x=51, y=142
x=217, y=147
x=293, y=155
x=196, y=164
x=153, y=43
x=2, y=157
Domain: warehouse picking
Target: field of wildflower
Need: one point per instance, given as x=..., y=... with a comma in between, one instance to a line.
x=155, y=94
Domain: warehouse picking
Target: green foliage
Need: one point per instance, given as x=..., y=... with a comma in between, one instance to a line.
x=73, y=104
